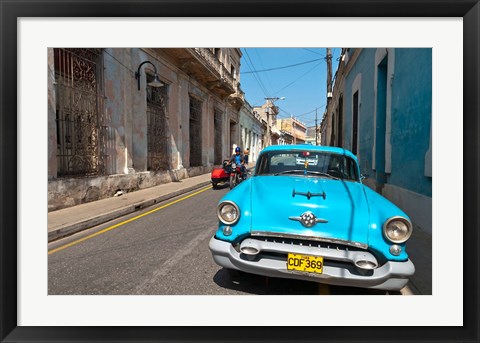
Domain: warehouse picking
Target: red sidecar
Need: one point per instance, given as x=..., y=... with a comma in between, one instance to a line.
x=221, y=175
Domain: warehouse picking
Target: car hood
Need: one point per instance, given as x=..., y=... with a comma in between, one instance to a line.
x=278, y=203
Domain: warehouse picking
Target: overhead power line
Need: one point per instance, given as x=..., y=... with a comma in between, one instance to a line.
x=283, y=67
x=315, y=52
x=257, y=77
x=303, y=114
x=291, y=83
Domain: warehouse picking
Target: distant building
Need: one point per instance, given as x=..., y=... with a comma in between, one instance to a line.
x=381, y=110
x=268, y=115
x=294, y=131
x=311, y=136
x=251, y=131
x=112, y=125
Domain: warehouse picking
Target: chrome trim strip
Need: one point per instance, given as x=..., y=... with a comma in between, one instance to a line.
x=317, y=220
x=312, y=238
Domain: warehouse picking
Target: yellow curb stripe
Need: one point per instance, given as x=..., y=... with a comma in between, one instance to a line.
x=125, y=222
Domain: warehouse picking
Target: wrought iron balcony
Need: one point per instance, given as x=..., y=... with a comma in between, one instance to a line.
x=204, y=66
x=237, y=99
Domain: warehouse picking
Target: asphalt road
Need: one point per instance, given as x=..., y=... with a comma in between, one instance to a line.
x=162, y=251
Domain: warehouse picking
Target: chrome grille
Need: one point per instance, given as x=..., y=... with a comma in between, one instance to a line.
x=304, y=242
x=334, y=254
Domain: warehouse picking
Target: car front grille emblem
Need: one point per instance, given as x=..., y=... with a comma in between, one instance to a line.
x=308, y=219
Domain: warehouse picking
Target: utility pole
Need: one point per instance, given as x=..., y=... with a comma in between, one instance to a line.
x=329, y=75
x=329, y=88
x=316, y=127
x=267, y=111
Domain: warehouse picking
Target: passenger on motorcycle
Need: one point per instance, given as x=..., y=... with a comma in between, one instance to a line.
x=239, y=160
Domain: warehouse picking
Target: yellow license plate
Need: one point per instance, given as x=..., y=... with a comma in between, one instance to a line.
x=305, y=263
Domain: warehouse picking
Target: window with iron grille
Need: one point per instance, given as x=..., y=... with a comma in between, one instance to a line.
x=81, y=131
x=157, y=128
x=195, y=132
x=217, y=123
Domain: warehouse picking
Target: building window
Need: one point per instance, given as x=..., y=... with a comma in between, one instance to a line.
x=81, y=131
x=233, y=72
x=217, y=123
x=195, y=132
x=157, y=124
x=355, y=124
x=340, y=122
x=332, y=133
x=381, y=119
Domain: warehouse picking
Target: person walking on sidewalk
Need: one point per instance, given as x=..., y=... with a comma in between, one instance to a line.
x=246, y=152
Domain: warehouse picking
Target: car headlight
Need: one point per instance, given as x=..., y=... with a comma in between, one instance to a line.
x=228, y=212
x=397, y=229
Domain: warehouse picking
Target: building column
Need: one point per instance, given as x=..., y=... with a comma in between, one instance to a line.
x=52, y=120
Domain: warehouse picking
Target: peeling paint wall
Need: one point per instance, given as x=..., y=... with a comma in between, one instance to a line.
x=52, y=127
x=251, y=131
x=394, y=133
x=411, y=120
x=126, y=114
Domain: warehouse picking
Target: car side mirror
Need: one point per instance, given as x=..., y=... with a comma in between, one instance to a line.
x=363, y=177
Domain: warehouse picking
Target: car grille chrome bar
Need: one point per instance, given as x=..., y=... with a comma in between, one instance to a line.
x=309, y=238
x=261, y=246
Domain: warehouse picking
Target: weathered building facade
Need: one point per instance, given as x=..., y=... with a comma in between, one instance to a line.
x=252, y=131
x=113, y=126
x=293, y=131
x=267, y=113
x=312, y=135
x=381, y=110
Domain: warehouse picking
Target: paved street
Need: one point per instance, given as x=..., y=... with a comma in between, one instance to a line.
x=131, y=209
x=162, y=250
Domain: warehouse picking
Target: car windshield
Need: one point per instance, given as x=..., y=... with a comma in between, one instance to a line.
x=307, y=163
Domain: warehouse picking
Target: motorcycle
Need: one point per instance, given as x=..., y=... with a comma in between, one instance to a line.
x=236, y=175
x=221, y=175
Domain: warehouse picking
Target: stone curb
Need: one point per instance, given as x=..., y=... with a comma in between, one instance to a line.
x=70, y=229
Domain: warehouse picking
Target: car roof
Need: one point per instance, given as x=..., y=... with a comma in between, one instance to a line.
x=309, y=147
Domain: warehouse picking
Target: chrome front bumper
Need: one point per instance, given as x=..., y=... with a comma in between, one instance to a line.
x=339, y=265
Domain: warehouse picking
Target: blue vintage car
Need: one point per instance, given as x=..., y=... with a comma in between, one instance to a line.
x=305, y=214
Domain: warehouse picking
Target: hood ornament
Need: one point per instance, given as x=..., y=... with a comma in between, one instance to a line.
x=308, y=219
x=310, y=194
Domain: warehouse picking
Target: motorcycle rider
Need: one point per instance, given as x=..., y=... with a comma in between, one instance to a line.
x=239, y=160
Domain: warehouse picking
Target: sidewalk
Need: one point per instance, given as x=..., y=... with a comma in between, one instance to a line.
x=419, y=249
x=73, y=219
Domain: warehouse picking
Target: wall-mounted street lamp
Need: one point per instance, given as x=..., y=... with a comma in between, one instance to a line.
x=156, y=81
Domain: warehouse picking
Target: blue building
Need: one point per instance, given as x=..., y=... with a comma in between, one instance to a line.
x=381, y=110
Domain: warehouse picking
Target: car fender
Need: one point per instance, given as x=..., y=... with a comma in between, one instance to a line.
x=381, y=209
x=241, y=196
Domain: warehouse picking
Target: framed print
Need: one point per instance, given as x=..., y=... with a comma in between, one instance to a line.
x=32, y=29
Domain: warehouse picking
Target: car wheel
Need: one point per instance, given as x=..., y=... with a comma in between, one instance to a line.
x=214, y=185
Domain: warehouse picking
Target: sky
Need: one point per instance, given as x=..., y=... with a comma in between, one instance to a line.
x=303, y=85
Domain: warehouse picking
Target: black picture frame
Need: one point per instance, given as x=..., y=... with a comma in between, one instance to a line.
x=469, y=10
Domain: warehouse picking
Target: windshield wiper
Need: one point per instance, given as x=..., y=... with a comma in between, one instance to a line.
x=295, y=171
x=289, y=172
x=323, y=174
